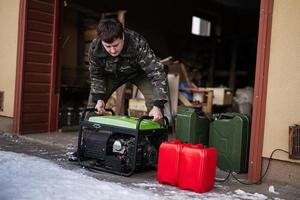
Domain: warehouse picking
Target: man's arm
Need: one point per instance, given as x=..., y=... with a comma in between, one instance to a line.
x=154, y=70
x=98, y=87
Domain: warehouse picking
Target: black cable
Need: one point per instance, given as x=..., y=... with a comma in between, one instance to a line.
x=270, y=160
x=246, y=183
x=264, y=174
x=223, y=180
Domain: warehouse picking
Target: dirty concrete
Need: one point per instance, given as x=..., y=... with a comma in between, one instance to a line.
x=57, y=146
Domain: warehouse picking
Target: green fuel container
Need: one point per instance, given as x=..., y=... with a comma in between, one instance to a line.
x=192, y=126
x=229, y=134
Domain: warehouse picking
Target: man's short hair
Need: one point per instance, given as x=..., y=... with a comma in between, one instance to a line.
x=109, y=29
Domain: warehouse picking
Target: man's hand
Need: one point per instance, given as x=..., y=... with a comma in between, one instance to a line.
x=100, y=106
x=156, y=113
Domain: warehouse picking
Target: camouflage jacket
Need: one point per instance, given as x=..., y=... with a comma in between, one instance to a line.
x=136, y=57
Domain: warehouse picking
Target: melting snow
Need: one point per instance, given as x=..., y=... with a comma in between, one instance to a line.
x=246, y=195
x=272, y=190
x=30, y=178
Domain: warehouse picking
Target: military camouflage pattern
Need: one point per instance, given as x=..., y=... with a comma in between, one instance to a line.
x=136, y=60
x=143, y=83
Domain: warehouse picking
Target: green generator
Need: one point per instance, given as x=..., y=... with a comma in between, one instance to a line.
x=192, y=126
x=229, y=134
x=119, y=144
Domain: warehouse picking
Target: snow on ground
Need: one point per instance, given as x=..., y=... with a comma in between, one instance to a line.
x=272, y=189
x=25, y=177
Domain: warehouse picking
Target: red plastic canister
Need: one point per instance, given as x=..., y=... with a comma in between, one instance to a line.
x=199, y=146
x=168, y=162
x=197, y=168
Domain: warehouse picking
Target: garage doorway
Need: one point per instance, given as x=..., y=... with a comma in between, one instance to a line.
x=224, y=57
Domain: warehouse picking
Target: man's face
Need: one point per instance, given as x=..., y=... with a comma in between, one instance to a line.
x=114, y=48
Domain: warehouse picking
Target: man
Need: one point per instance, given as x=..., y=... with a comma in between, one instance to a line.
x=117, y=56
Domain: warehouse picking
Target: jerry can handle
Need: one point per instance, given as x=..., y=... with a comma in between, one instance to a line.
x=226, y=116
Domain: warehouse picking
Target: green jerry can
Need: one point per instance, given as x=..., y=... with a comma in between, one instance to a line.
x=192, y=126
x=229, y=134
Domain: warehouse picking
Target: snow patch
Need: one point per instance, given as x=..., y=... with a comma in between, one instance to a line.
x=246, y=195
x=30, y=178
x=147, y=185
x=272, y=189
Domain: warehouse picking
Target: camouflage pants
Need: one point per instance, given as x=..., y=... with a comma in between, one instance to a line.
x=142, y=82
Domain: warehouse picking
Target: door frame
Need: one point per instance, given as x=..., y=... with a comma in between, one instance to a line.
x=19, y=68
x=260, y=90
x=55, y=71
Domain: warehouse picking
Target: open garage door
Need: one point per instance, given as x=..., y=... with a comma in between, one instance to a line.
x=35, y=94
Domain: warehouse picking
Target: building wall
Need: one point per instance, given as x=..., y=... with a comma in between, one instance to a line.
x=9, y=13
x=283, y=96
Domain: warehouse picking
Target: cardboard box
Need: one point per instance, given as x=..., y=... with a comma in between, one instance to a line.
x=136, y=113
x=137, y=105
x=222, y=96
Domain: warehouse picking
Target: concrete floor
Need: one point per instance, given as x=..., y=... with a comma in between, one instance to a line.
x=57, y=146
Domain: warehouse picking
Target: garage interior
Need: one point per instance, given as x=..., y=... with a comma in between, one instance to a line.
x=222, y=52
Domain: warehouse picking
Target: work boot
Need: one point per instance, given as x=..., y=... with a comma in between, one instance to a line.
x=73, y=157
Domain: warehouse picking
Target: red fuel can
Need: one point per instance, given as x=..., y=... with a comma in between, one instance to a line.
x=168, y=162
x=197, y=168
x=199, y=146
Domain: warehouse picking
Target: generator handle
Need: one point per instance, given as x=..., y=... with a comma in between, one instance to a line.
x=110, y=110
x=166, y=124
x=93, y=110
